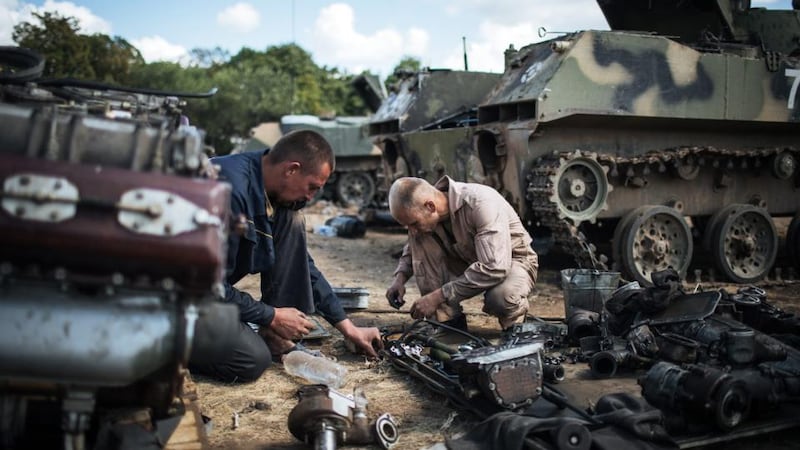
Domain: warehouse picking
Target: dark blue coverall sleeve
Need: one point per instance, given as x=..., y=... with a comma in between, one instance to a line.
x=238, y=258
x=325, y=300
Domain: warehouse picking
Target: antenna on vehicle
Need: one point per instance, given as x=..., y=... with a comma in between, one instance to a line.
x=464, y=45
x=543, y=32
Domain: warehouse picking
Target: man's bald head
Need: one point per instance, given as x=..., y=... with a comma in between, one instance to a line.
x=404, y=194
x=417, y=205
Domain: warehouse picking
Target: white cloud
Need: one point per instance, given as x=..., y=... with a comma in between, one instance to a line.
x=564, y=15
x=509, y=22
x=9, y=16
x=13, y=12
x=241, y=17
x=337, y=42
x=87, y=21
x=156, y=48
x=486, y=52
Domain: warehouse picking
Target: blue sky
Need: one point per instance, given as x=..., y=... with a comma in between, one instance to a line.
x=353, y=35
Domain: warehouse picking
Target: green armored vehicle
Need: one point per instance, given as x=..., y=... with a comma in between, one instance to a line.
x=424, y=128
x=358, y=175
x=672, y=137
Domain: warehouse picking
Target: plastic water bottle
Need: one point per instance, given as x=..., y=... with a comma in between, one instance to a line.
x=325, y=230
x=315, y=369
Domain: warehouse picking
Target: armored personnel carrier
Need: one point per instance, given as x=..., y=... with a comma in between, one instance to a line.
x=424, y=127
x=358, y=175
x=112, y=235
x=673, y=137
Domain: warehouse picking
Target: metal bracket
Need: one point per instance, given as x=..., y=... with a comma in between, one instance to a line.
x=161, y=213
x=38, y=197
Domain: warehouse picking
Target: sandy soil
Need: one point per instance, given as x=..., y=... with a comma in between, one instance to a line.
x=423, y=418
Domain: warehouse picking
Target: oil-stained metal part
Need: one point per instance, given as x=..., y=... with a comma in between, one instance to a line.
x=511, y=376
x=697, y=391
x=325, y=417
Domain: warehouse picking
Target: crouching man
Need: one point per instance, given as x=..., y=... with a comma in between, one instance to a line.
x=464, y=239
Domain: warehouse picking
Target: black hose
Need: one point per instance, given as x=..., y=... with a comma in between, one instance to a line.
x=27, y=65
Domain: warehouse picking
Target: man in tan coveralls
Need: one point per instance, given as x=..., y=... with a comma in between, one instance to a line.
x=463, y=239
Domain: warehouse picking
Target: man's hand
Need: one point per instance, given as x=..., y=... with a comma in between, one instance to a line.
x=290, y=323
x=397, y=291
x=366, y=339
x=426, y=306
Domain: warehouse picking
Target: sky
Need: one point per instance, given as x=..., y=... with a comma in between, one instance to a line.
x=353, y=35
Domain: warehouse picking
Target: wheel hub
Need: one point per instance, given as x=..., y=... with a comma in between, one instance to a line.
x=657, y=248
x=743, y=246
x=743, y=242
x=581, y=188
x=577, y=188
x=651, y=239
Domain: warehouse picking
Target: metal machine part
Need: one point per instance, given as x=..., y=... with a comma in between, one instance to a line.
x=90, y=335
x=324, y=418
x=476, y=375
x=697, y=391
x=582, y=323
x=510, y=376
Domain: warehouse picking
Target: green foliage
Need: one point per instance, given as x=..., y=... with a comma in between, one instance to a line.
x=253, y=86
x=407, y=64
x=70, y=54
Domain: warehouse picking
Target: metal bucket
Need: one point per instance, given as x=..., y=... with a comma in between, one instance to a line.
x=587, y=289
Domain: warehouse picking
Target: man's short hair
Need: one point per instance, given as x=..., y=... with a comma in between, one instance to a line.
x=305, y=146
x=403, y=193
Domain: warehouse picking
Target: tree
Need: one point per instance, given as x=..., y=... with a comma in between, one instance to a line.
x=253, y=86
x=407, y=64
x=66, y=53
x=112, y=58
x=209, y=57
x=71, y=54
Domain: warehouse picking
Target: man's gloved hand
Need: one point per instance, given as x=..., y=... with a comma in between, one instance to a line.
x=290, y=323
x=395, y=293
x=427, y=305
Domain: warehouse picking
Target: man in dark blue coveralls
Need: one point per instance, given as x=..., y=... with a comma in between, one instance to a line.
x=269, y=187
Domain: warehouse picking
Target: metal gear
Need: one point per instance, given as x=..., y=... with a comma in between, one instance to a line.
x=580, y=187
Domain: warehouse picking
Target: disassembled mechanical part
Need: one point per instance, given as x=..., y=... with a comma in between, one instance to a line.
x=697, y=390
x=325, y=417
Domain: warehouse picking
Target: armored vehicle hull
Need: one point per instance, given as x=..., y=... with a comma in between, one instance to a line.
x=664, y=148
x=425, y=128
x=358, y=177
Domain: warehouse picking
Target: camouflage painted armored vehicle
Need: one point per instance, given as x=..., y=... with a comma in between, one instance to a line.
x=358, y=173
x=424, y=128
x=673, y=137
x=112, y=257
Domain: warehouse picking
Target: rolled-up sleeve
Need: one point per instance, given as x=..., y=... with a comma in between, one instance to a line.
x=493, y=249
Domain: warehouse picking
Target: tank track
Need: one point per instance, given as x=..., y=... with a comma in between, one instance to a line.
x=541, y=190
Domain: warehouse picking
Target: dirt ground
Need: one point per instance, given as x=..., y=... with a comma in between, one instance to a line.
x=423, y=418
